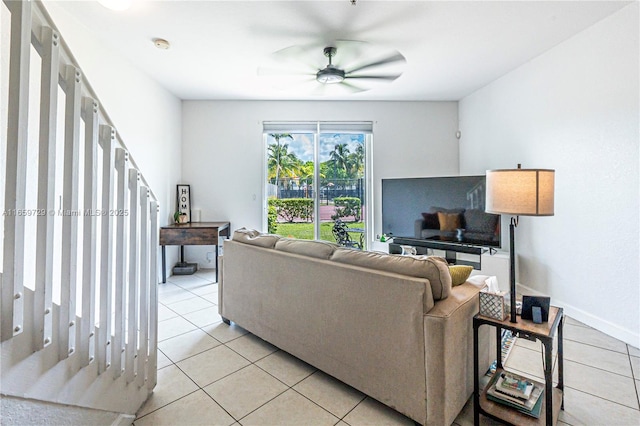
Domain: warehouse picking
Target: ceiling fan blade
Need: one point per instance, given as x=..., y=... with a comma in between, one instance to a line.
x=396, y=57
x=294, y=83
x=375, y=77
x=319, y=90
x=266, y=72
x=352, y=87
x=309, y=55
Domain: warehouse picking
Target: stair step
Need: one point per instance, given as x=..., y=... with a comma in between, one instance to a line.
x=20, y=412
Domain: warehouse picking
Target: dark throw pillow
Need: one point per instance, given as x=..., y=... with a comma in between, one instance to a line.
x=431, y=221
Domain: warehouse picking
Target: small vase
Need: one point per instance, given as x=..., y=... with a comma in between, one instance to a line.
x=182, y=218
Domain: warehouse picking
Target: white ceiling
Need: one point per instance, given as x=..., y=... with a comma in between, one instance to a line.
x=452, y=48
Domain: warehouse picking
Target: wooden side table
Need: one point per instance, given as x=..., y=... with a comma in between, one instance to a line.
x=192, y=234
x=554, y=396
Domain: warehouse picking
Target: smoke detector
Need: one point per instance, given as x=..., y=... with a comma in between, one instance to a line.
x=161, y=43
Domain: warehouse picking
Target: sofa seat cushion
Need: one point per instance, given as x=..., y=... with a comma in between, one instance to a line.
x=311, y=248
x=433, y=268
x=253, y=237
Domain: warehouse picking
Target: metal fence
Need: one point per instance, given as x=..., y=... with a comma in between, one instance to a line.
x=329, y=189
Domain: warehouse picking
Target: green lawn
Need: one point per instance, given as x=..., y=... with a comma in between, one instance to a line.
x=305, y=230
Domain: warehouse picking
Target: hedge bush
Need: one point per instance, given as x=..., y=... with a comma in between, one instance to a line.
x=272, y=219
x=347, y=206
x=293, y=208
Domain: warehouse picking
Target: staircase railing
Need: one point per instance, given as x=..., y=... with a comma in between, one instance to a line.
x=78, y=295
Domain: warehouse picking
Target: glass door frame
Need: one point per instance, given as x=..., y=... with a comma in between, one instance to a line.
x=368, y=176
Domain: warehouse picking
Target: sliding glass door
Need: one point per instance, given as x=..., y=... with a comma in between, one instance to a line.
x=317, y=174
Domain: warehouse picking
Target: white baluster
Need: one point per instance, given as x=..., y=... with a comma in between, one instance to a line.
x=134, y=260
x=67, y=325
x=103, y=346
x=120, y=259
x=43, y=296
x=145, y=250
x=153, y=298
x=16, y=170
x=89, y=249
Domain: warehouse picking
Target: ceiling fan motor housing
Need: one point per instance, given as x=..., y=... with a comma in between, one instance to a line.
x=330, y=75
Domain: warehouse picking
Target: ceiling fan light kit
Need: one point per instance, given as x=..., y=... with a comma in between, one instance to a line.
x=330, y=75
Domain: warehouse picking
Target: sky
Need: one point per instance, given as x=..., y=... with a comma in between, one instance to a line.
x=302, y=144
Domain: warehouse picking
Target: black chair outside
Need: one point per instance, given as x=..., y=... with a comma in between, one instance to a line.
x=341, y=234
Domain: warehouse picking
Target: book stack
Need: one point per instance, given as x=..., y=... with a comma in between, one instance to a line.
x=516, y=391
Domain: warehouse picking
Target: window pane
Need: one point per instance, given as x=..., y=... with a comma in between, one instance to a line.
x=342, y=160
x=316, y=182
x=290, y=174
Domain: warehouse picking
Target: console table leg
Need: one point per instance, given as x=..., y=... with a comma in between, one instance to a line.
x=476, y=379
x=561, y=361
x=164, y=265
x=216, y=262
x=498, y=347
x=548, y=378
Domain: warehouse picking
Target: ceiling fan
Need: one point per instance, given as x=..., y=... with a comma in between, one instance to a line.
x=348, y=62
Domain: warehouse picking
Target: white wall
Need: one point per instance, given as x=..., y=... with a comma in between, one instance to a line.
x=574, y=109
x=223, y=155
x=147, y=116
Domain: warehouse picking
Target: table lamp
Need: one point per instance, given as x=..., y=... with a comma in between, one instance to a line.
x=519, y=192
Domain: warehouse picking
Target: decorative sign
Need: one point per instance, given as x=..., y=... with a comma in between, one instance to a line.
x=184, y=201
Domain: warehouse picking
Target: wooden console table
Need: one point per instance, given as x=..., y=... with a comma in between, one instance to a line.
x=192, y=234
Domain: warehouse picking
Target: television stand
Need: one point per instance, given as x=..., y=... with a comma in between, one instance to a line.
x=450, y=248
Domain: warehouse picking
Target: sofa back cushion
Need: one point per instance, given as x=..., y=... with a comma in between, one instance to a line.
x=433, y=268
x=311, y=248
x=253, y=237
x=479, y=221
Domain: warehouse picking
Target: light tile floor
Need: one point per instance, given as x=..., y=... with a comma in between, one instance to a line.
x=214, y=374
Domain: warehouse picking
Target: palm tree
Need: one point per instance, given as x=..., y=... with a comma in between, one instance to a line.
x=356, y=161
x=340, y=157
x=280, y=161
x=360, y=156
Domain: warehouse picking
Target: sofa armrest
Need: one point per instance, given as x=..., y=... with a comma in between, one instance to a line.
x=451, y=322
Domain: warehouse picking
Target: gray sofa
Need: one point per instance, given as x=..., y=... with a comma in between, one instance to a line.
x=390, y=326
x=463, y=224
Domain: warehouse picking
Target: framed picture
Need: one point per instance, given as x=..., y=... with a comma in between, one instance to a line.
x=530, y=303
x=184, y=201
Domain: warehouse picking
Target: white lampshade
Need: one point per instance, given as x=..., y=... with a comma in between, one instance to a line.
x=520, y=192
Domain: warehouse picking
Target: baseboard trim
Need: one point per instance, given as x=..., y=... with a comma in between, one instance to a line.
x=607, y=327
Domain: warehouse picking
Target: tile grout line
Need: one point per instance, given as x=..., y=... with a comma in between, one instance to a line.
x=181, y=370
x=219, y=404
x=601, y=369
x=636, y=387
x=595, y=346
x=227, y=375
x=633, y=376
x=587, y=365
x=599, y=397
x=261, y=369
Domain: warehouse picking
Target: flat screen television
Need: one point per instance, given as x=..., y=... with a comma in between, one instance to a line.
x=447, y=209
